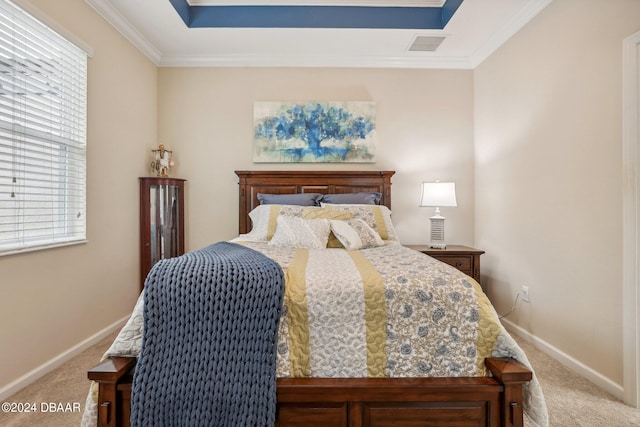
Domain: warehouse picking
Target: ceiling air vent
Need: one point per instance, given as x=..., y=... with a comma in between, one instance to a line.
x=426, y=43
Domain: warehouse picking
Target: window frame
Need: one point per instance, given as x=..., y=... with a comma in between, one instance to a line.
x=66, y=138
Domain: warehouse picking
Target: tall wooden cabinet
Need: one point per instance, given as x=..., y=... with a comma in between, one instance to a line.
x=161, y=221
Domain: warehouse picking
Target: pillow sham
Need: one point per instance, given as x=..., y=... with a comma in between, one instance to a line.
x=298, y=199
x=296, y=232
x=263, y=219
x=325, y=213
x=360, y=198
x=377, y=217
x=355, y=234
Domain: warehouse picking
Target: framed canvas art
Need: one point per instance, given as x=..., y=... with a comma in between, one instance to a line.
x=314, y=132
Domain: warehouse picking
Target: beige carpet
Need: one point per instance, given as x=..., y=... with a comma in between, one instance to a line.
x=572, y=400
x=67, y=384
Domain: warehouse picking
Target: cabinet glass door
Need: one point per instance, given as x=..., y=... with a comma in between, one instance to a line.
x=164, y=220
x=161, y=221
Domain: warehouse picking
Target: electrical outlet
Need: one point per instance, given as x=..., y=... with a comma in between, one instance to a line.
x=525, y=293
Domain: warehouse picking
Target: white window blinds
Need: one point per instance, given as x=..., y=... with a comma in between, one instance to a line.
x=43, y=85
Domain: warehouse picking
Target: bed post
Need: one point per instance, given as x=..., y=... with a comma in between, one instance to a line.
x=112, y=409
x=512, y=375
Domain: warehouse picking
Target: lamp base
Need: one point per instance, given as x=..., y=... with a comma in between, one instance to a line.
x=437, y=232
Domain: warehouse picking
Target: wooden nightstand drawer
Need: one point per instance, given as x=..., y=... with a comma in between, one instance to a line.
x=461, y=263
x=463, y=258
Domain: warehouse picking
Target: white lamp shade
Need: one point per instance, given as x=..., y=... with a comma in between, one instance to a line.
x=438, y=194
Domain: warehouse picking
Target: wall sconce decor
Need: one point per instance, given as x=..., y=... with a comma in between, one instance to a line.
x=438, y=194
x=161, y=161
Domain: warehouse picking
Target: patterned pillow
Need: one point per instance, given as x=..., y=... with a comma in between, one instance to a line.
x=301, y=233
x=355, y=234
x=263, y=219
x=324, y=213
x=377, y=217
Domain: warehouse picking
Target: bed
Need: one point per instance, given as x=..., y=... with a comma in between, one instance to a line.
x=497, y=393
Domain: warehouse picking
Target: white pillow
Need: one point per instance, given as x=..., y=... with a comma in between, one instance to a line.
x=377, y=217
x=301, y=233
x=263, y=219
x=355, y=234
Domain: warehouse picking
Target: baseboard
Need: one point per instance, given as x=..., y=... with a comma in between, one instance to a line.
x=20, y=383
x=576, y=366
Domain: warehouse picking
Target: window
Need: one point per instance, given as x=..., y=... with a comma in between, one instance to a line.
x=43, y=86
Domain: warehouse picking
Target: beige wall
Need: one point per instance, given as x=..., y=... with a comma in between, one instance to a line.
x=548, y=147
x=424, y=127
x=54, y=299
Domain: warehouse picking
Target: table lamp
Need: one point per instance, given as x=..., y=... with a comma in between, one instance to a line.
x=438, y=194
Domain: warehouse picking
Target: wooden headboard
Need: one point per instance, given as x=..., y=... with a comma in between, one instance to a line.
x=291, y=182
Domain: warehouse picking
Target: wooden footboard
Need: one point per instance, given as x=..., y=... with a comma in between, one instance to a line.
x=114, y=376
x=360, y=402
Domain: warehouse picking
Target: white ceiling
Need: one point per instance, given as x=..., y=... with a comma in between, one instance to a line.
x=477, y=29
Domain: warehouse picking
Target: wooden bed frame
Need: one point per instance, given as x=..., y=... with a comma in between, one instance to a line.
x=349, y=402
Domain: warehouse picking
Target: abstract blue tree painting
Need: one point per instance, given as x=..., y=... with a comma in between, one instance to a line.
x=317, y=132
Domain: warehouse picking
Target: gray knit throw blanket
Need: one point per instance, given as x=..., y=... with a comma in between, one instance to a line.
x=208, y=353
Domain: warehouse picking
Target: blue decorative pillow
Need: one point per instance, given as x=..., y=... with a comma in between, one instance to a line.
x=301, y=199
x=362, y=198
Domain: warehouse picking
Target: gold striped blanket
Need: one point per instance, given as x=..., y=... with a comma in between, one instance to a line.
x=382, y=312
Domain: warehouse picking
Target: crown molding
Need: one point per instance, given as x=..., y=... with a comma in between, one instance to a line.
x=124, y=27
x=515, y=24
x=318, y=61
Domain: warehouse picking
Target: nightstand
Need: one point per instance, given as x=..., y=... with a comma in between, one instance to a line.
x=463, y=258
